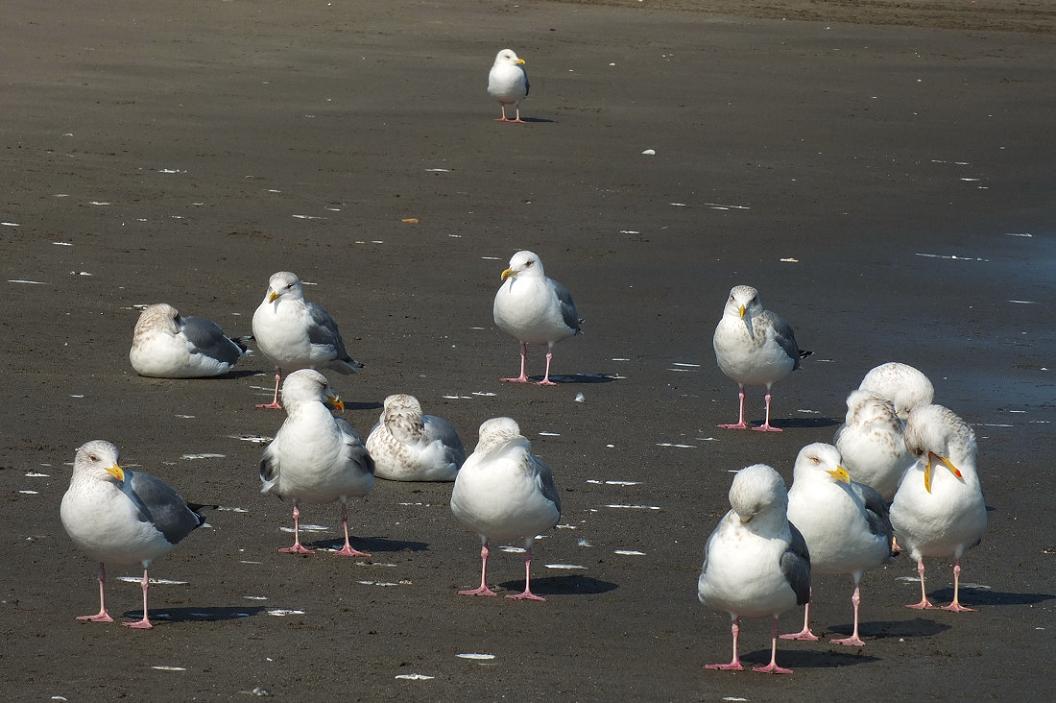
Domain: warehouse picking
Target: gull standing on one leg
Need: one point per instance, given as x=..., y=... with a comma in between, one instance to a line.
x=535, y=309
x=756, y=563
x=754, y=347
x=297, y=334
x=508, y=83
x=941, y=513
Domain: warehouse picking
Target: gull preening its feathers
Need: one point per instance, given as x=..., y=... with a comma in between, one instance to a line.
x=901, y=384
x=120, y=516
x=166, y=344
x=871, y=443
x=407, y=445
x=508, y=83
x=534, y=309
x=754, y=347
x=297, y=334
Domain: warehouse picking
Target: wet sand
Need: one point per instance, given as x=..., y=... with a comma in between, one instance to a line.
x=877, y=184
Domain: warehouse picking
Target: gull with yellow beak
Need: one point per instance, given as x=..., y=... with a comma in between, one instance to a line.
x=939, y=508
x=845, y=524
x=754, y=347
x=297, y=334
x=315, y=457
x=120, y=516
x=508, y=83
x=534, y=309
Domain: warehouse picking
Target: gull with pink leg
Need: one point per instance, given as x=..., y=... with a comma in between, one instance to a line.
x=508, y=83
x=754, y=347
x=120, y=516
x=534, y=309
x=505, y=493
x=756, y=564
x=315, y=457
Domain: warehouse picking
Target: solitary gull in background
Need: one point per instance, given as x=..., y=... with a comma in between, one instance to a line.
x=409, y=446
x=297, y=334
x=756, y=564
x=505, y=494
x=166, y=344
x=535, y=309
x=508, y=83
x=939, y=513
x=315, y=457
x=903, y=385
x=118, y=516
x=844, y=523
x=871, y=443
x=754, y=347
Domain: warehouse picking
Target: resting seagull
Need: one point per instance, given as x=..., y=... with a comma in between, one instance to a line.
x=534, y=309
x=871, y=443
x=166, y=344
x=756, y=563
x=938, y=513
x=505, y=493
x=315, y=457
x=754, y=347
x=844, y=523
x=407, y=445
x=904, y=386
x=508, y=83
x=120, y=516
x=297, y=334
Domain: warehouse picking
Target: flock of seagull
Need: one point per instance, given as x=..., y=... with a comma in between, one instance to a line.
x=901, y=474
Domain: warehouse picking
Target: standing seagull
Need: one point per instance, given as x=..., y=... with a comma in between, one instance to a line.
x=167, y=345
x=505, y=494
x=535, y=309
x=943, y=513
x=756, y=563
x=118, y=516
x=844, y=523
x=315, y=457
x=409, y=446
x=508, y=83
x=903, y=385
x=754, y=347
x=871, y=443
x=297, y=334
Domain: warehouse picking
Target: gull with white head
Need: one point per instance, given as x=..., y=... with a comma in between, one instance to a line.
x=754, y=347
x=508, y=83
x=535, y=309
x=756, y=563
x=166, y=344
x=901, y=384
x=297, y=334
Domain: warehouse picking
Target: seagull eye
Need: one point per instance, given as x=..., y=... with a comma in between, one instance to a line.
x=529, y=263
x=93, y=457
x=815, y=460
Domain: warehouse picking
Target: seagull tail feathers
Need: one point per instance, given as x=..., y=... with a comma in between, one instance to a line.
x=804, y=353
x=347, y=365
x=197, y=509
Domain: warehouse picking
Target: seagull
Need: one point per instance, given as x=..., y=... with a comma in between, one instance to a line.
x=754, y=347
x=756, y=563
x=315, y=457
x=409, y=446
x=508, y=83
x=167, y=345
x=844, y=523
x=505, y=493
x=120, y=516
x=939, y=513
x=903, y=385
x=297, y=334
x=535, y=309
x=871, y=443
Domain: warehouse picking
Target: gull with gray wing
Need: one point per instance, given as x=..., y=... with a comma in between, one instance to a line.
x=407, y=445
x=166, y=344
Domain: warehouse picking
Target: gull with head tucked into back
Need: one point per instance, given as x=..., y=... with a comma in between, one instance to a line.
x=166, y=344
x=535, y=309
x=902, y=385
x=297, y=334
x=120, y=516
x=756, y=563
x=407, y=445
x=505, y=493
x=754, y=347
x=871, y=443
x=508, y=83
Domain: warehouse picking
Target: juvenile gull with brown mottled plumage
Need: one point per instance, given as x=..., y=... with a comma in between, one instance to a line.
x=407, y=445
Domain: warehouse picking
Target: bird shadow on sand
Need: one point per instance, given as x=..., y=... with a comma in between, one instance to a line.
x=577, y=378
x=971, y=597
x=571, y=585
x=806, y=422
x=884, y=629
x=197, y=614
x=539, y=120
x=373, y=544
x=807, y=659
